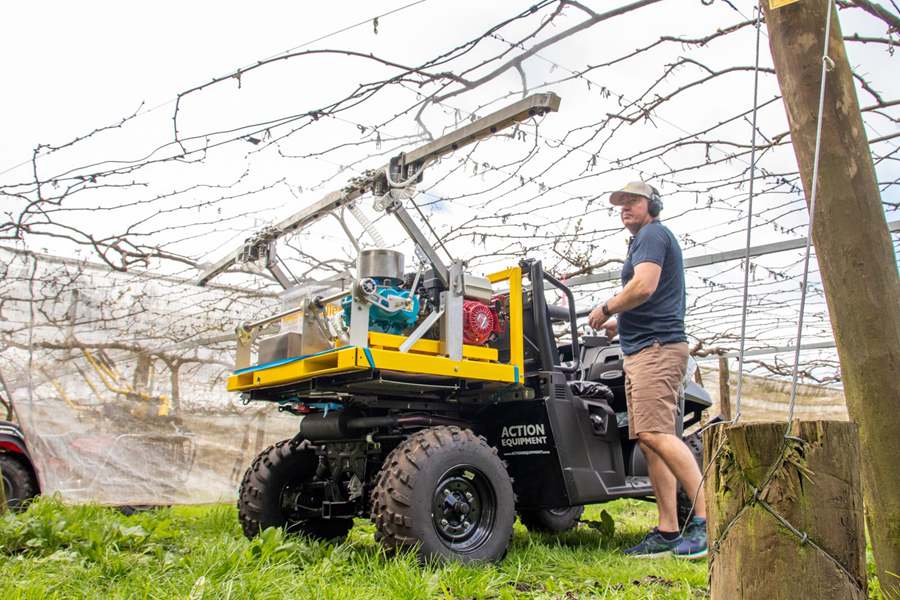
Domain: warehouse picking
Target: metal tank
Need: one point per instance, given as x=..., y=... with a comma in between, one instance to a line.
x=380, y=262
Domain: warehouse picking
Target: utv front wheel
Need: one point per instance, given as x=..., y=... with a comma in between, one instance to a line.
x=280, y=474
x=447, y=492
x=551, y=520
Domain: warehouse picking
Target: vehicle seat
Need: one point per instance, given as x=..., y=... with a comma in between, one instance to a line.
x=595, y=397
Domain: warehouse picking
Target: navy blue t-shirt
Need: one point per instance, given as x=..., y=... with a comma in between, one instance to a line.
x=661, y=317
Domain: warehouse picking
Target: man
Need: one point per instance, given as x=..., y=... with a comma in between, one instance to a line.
x=650, y=327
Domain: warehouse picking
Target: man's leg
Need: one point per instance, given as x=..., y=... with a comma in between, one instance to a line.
x=664, y=484
x=678, y=459
x=665, y=538
x=652, y=382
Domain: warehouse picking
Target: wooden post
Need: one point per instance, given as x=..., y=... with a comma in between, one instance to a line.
x=724, y=389
x=815, y=488
x=855, y=255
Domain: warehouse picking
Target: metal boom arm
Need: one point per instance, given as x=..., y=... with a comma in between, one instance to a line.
x=403, y=167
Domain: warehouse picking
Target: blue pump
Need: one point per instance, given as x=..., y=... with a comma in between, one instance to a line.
x=381, y=320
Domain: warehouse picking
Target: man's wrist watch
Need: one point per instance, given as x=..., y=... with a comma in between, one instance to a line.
x=605, y=309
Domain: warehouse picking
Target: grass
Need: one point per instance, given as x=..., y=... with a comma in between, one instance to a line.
x=57, y=551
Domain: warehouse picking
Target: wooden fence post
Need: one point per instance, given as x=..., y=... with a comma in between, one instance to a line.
x=724, y=389
x=785, y=513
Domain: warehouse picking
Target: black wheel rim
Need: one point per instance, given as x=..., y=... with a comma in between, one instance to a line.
x=559, y=512
x=464, y=508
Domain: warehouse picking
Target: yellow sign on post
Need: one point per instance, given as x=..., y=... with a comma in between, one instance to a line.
x=773, y=4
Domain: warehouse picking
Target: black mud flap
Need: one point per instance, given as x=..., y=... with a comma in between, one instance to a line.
x=561, y=450
x=522, y=434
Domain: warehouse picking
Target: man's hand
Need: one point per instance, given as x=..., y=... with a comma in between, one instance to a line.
x=611, y=327
x=597, y=318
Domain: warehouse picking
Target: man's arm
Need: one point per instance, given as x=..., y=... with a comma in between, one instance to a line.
x=635, y=293
x=638, y=290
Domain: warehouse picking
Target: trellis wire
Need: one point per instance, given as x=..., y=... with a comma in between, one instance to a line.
x=737, y=411
x=827, y=65
x=743, y=343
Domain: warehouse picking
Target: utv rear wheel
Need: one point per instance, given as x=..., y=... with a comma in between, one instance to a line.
x=277, y=474
x=685, y=500
x=18, y=482
x=551, y=520
x=445, y=490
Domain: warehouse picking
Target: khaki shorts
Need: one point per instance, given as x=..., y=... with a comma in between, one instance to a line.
x=653, y=380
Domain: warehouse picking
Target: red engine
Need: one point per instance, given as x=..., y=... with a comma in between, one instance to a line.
x=479, y=322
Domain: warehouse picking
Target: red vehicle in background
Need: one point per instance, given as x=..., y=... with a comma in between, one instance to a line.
x=20, y=480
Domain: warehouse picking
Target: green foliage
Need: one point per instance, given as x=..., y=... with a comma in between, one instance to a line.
x=58, y=551
x=606, y=526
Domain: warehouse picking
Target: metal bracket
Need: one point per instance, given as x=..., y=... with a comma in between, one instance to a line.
x=421, y=330
x=452, y=305
x=245, y=339
x=272, y=264
x=359, y=322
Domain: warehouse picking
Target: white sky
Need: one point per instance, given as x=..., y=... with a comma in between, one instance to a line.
x=82, y=65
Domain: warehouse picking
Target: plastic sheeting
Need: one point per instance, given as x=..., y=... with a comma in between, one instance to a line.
x=118, y=380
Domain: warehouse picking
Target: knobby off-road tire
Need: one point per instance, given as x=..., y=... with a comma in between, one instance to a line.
x=18, y=482
x=287, y=463
x=684, y=500
x=446, y=491
x=551, y=520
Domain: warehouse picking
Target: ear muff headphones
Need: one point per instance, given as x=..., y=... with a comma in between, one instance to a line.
x=654, y=204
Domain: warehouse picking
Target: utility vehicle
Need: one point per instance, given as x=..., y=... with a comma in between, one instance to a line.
x=436, y=402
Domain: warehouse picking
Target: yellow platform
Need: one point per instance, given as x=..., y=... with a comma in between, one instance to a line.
x=383, y=355
x=423, y=358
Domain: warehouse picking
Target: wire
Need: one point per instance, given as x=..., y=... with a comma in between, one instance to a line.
x=288, y=51
x=406, y=184
x=433, y=232
x=737, y=400
x=827, y=64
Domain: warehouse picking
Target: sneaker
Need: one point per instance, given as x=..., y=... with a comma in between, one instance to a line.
x=693, y=540
x=653, y=545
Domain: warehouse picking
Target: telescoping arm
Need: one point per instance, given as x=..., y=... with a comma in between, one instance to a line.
x=402, y=171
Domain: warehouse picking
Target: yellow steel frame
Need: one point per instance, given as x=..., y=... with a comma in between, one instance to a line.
x=516, y=332
x=383, y=353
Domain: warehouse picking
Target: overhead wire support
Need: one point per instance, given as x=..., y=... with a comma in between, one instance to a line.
x=827, y=65
x=743, y=342
x=747, y=253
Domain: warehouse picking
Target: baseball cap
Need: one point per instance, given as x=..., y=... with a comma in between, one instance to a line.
x=639, y=188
